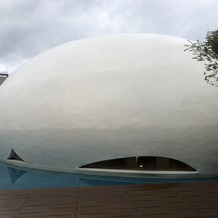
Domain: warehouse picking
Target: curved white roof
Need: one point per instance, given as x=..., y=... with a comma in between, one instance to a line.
x=109, y=97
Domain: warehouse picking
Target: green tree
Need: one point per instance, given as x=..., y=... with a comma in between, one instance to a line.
x=207, y=52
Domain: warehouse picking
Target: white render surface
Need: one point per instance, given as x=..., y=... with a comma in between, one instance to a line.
x=111, y=97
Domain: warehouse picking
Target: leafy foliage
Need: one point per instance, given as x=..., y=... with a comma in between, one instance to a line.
x=207, y=52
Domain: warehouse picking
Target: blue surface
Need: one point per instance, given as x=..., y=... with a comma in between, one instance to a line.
x=13, y=177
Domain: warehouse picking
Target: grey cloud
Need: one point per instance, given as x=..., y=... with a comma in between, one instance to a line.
x=28, y=27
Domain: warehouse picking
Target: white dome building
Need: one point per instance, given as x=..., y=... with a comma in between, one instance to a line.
x=129, y=104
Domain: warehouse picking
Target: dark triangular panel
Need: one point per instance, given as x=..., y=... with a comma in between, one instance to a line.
x=14, y=156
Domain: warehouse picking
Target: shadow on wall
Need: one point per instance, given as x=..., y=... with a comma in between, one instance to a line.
x=3, y=77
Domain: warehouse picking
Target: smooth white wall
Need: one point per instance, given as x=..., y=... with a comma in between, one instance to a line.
x=110, y=97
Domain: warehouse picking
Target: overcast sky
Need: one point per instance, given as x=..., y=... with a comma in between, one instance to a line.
x=29, y=27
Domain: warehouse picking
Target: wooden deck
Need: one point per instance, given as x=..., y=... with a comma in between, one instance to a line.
x=133, y=201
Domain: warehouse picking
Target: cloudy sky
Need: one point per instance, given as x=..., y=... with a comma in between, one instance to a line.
x=29, y=27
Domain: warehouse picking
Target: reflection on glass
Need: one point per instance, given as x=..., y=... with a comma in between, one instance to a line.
x=15, y=174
